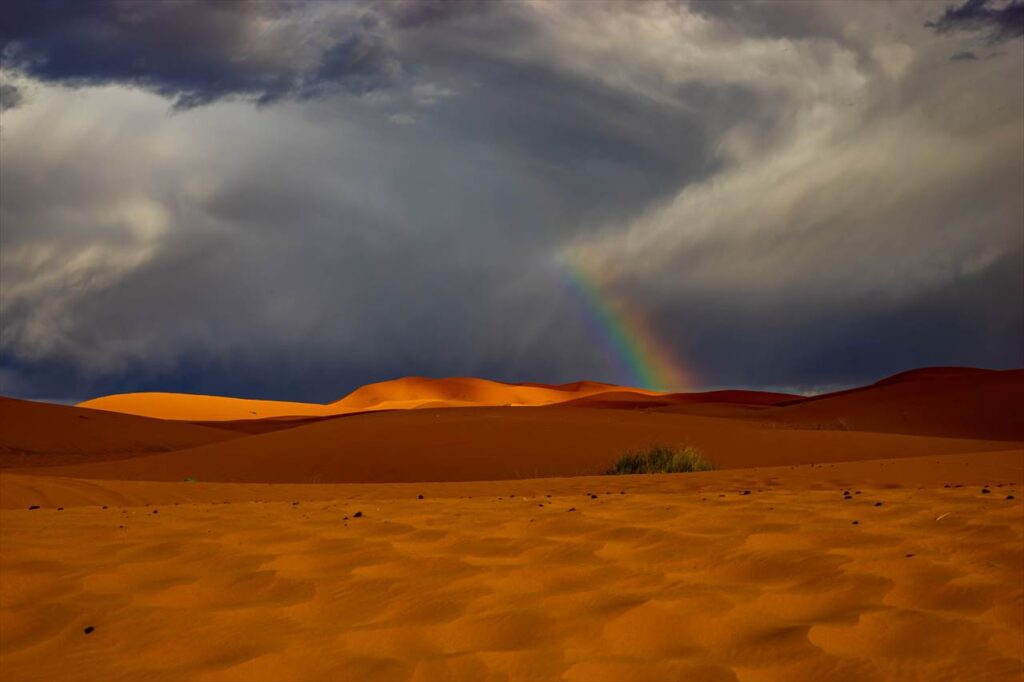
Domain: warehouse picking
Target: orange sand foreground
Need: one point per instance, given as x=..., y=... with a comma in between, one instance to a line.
x=763, y=570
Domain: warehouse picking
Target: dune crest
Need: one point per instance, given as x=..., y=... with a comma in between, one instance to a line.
x=396, y=394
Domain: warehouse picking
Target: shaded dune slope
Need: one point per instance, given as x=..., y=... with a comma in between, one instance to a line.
x=501, y=443
x=947, y=402
x=42, y=434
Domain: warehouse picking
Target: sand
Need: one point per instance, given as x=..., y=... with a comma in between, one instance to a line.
x=873, y=534
x=681, y=577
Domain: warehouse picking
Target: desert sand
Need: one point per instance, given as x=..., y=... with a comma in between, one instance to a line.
x=866, y=535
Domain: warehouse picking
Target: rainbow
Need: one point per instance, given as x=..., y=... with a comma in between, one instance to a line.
x=626, y=332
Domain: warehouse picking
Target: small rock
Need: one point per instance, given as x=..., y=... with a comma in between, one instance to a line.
x=104, y=506
x=34, y=506
x=878, y=504
x=60, y=508
x=985, y=491
x=419, y=497
x=89, y=630
x=572, y=508
x=1009, y=497
x=156, y=511
x=746, y=492
x=593, y=497
x=358, y=515
x=910, y=555
x=856, y=492
x=856, y=523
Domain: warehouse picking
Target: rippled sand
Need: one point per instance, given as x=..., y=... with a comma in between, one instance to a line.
x=670, y=577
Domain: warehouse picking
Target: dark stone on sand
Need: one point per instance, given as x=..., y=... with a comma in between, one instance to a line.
x=89, y=630
x=34, y=506
x=572, y=508
x=104, y=506
x=593, y=497
x=910, y=555
x=419, y=497
x=746, y=492
x=358, y=515
x=1009, y=497
x=878, y=504
x=60, y=508
x=156, y=511
x=856, y=523
x=985, y=491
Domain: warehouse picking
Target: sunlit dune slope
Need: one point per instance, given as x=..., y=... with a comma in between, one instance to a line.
x=948, y=402
x=502, y=443
x=34, y=434
x=405, y=393
x=185, y=406
x=462, y=391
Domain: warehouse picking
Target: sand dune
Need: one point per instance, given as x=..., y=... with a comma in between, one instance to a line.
x=872, y=534
x=677, y=577
x=405, y=393
x=494, y=443
x=41, y=434
x=947, y=402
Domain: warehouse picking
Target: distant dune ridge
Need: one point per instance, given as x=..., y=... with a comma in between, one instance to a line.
x=464, y=429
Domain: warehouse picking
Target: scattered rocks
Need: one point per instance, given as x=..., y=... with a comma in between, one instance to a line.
x=89, y=630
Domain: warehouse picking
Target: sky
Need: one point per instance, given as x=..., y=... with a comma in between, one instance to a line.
x=291, y=200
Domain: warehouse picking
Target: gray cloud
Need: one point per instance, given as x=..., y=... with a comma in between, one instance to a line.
x=198, y=52
x=10, y=96
x=736, y=172
x=998, y=22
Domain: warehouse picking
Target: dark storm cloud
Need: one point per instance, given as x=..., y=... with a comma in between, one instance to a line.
x=197, y=52
x=791, y=202
x=999, y=23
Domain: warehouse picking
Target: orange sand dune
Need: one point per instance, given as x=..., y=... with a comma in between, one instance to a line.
x=405, y=393
x=948, y=402
x=495, y=442
x=679, y=577
x=41, y=434
x=185, y=406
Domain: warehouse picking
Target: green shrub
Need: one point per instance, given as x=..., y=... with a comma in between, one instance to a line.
x=661, y=459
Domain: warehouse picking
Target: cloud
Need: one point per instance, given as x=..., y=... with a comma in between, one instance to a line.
x=198, y=52
x=372, y=190
x=10, y=96
x=1000, y=23
x=964, y=56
